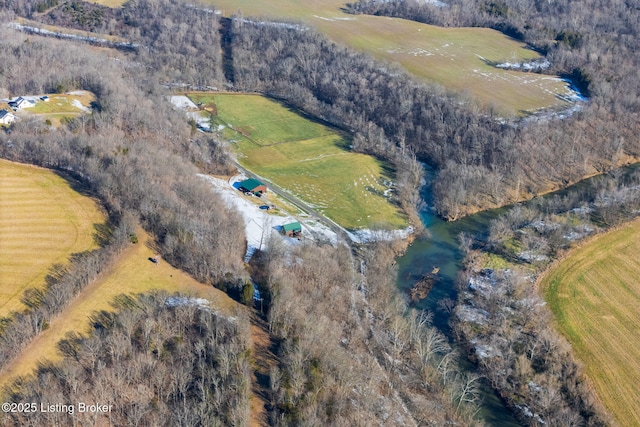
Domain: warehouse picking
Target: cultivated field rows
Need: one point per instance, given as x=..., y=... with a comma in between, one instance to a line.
x=595, y=295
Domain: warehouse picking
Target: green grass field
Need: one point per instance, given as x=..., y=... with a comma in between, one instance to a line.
x=42, y=221
x=61, y=104
x=449, y=56
x=306, y=158
x=595, y=296
x=132, y=274
x=60, y=107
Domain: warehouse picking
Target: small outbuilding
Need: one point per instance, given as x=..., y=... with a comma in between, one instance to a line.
x=293, y=229
x=6, y=118
x=252, y=185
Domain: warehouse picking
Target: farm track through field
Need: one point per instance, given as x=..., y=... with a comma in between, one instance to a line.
x=299, y=204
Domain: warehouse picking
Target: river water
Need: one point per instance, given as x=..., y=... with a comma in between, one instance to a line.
x=441, y=250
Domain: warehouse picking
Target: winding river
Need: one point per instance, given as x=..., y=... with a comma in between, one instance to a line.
x=441, y=250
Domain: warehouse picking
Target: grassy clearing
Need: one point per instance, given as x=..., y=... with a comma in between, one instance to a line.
x=132, y=274
x=60, y=107
x=42, y=221
x=308, y=159
x=260, y=119
x=595, y=296
x=63, y=104
x=449, y=56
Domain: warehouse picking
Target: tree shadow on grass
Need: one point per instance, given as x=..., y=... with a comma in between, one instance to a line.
x=102, y=234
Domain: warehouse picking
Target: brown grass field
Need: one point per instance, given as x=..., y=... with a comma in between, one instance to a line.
x=132, y=274
x=42, y=221
x=595, y=296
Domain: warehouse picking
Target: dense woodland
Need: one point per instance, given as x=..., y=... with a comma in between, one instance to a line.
x=157, y=361
x=142, y=164
x=348, y=353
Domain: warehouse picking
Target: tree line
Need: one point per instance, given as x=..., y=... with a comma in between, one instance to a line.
x=391, y=115
x=158, y=360
x=504, y=322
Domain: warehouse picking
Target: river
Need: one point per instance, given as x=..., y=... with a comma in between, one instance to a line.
x=441, y=250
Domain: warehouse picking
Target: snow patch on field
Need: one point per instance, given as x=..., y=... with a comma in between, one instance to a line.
x=260, y=225
x=366, y=235
x=183, y=102
x=286, y=25
x=79, y=106
x=187, y=301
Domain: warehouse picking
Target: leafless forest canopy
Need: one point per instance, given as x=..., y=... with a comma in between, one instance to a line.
x=152, y=363
x=348, y=350
x=140, y=159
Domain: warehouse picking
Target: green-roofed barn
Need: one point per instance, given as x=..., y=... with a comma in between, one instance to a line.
x=252, y=185
x=293, y=229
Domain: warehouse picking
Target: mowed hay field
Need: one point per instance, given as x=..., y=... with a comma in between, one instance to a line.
x=307, y=159
x=452, y=57
x=595, y=296
x=132, y=274
x=42, y=222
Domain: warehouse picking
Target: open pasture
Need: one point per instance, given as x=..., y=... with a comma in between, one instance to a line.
x=58, y=108
x=457, y=58
x=72, y=104
x=42, y=222
x=595, y=296
x=260, y=119
x=133, y=273
x=309, y=160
